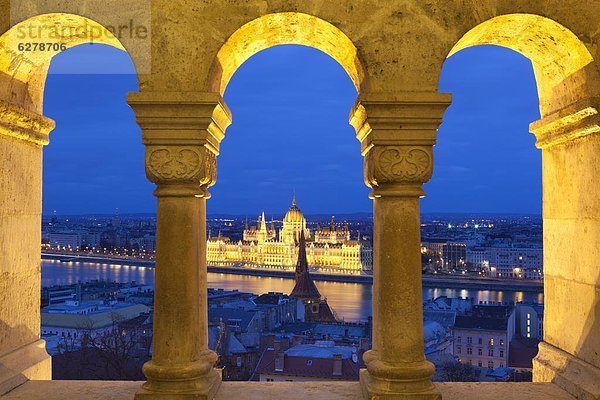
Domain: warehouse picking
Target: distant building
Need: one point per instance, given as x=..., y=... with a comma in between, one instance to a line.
x=237, y=361
x=529, y=321
x=65, y=240
x=321, y=361
x=366, y=256
x=90, y=238
x=508, y=262
x=454, y=255
x=73, y=320
x=482, y=337
x=246, y=324
x=433, y=246
x=478, y=257
x=330, y=248
x=342, y=332
x=278, y=309
x=57, y=294
x=445, y=303
x=148, y=243
x=437, y=338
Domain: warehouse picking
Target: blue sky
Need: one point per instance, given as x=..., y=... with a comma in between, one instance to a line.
x=290, y=133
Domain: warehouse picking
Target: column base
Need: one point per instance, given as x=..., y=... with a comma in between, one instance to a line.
x=575, y=376
x=205, y=388
x=374, y=388
x=29, y=362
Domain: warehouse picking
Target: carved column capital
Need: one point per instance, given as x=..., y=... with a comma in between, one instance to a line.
x=399, y=169
x=397, y=133
x=182, y=133
x=179, y=169
x=22, y=124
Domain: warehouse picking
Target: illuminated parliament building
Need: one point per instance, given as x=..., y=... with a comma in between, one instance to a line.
x=329, y=248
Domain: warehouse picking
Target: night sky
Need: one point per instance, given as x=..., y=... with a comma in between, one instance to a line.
x=290, y=108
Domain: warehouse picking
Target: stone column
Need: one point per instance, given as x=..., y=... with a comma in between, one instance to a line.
x=397, y=133
x=22, y=353
x=570, y=353
x=182, y=132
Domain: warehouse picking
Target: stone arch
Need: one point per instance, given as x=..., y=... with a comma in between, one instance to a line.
x=23, y=73
x=563, y=66
x=23, y=133
x=285, y=28
x=568, y=85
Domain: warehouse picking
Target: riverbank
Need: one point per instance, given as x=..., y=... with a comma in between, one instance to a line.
x=97, y=259
x=429, y=281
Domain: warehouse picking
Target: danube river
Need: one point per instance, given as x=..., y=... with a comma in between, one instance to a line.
x=351, y=301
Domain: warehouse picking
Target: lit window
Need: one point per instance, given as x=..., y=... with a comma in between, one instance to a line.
x=491, y=342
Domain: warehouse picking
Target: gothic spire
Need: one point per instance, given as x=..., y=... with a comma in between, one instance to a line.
x=305, y=287
x=263, y=222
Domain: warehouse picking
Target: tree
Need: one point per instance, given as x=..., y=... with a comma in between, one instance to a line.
x=120, y=349
x=458, y=372
x=115, y=352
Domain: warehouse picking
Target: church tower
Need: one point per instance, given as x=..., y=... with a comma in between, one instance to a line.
x=315, y=308
x=305, y=287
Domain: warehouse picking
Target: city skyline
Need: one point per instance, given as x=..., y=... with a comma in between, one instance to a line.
x=467, y=177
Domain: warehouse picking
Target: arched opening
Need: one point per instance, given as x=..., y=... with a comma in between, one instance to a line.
x=562, y=64
x=93, y=180
x=291, y=135
x=285, y=28
x=290, y=138
x=27, y=51
x=300, y=34
x=94, y=162
x=482, y=214
x=23, y=67
x=566, y=78
x=484, y=142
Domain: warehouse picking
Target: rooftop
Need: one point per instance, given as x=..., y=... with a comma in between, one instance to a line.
x=102, y=317
x=481, y=323
x=312, y=361
x=321, y=349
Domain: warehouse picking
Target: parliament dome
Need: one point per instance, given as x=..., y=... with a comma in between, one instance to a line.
x=294, y=214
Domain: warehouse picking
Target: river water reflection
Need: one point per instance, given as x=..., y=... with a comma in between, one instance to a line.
x=351, y=301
